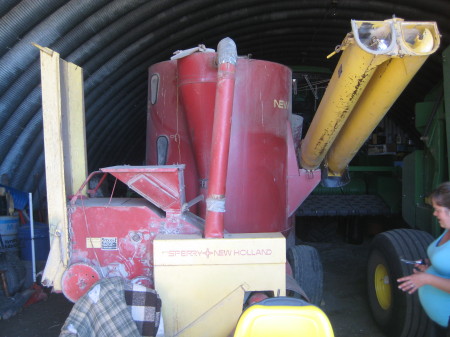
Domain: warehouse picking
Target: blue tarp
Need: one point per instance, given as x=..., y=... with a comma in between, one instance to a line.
x=20, y=198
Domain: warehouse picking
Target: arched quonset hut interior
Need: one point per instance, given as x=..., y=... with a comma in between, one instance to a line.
x=116, y=41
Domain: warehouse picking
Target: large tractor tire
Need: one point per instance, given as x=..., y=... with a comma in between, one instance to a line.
x=397, y=313
x=307, y=271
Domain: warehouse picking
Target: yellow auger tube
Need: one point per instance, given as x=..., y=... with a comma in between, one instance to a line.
x=386, y=85
x=352, y=73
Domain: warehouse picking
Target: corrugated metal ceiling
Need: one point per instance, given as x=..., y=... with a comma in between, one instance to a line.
x=116, y=41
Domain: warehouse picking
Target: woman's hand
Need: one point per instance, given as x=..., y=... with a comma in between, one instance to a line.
x=420, y=268
x=414, y=281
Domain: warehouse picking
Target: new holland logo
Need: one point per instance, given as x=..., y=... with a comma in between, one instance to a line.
x=280, y=104
x=218, y=252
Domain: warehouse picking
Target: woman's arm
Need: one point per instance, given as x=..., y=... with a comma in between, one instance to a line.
x=414, y=281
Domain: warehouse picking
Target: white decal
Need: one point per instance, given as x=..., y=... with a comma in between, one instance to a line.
x=93, y=243
x=281, y=104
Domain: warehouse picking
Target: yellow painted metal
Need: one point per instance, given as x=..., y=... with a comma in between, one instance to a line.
x=386, y=85
x=383, y=287
x=418, y=38
x=54, y=169
x=286, y=321
x=65, y=152
x=202, y=282
x=379, y=60
x=389, y=81
x=74, y=126
x=352, y=73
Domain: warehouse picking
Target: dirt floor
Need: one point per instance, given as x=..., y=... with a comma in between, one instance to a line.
x=345, y=300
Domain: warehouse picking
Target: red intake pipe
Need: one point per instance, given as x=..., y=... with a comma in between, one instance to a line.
x=215, y=203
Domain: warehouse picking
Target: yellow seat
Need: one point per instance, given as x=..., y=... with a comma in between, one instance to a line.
x=283, y=317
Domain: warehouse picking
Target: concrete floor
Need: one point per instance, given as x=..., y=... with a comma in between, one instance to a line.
x=344, y=302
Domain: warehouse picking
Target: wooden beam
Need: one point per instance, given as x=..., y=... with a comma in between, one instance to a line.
x=65, y=152
x=73, y=128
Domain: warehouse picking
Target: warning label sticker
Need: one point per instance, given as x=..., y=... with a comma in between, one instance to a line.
x=102, y=243
x=109, y=244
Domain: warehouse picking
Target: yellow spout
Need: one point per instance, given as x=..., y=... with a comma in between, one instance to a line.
x=387, y=84
x=416, y=41
x=379, y=60
x=353, y=72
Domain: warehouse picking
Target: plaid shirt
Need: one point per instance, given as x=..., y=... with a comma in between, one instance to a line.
x=114, y=308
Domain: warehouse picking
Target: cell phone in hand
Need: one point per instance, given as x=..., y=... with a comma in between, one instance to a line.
x=412, y=261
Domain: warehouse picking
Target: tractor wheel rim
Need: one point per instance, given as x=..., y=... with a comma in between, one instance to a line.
x=382, y=287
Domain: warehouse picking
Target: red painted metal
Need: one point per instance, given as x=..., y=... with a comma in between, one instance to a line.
x=163, y=186
x=143, y=281
x=214, y=222
x=256, y=297
x=296, y=178
x=264, y=185
x=167, y=118
x=256, y=188
x=115, y=235
x=197, y=79
x=77, y=279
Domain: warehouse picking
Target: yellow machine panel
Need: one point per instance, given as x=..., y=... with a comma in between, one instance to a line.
x=202, y=282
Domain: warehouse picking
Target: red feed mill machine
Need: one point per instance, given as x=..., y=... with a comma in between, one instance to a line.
x=226, y=173
x=238, y=172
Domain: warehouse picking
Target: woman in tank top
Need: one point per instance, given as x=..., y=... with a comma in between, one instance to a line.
x=433, y=279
